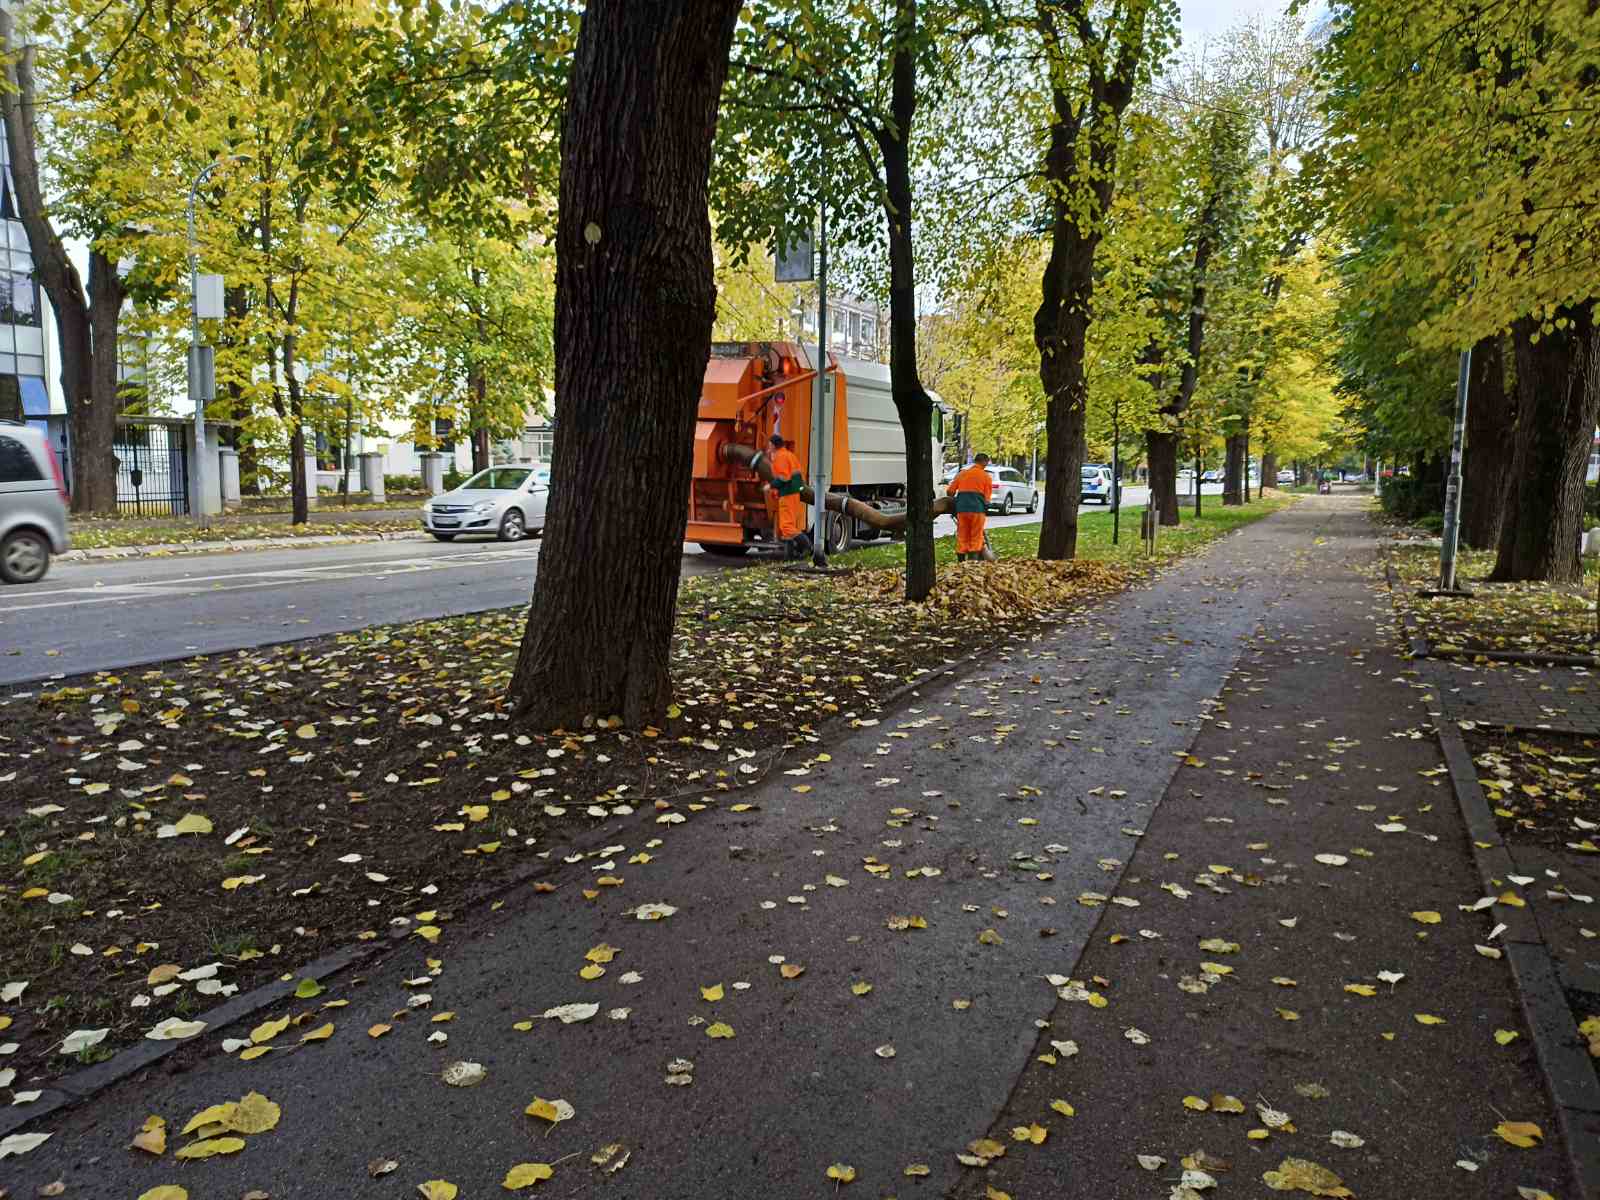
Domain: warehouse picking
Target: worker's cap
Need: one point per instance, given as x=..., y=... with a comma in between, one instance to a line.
x=776, y=439
x=980, y=457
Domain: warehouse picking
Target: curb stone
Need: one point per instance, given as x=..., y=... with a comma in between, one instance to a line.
x=1564, y=1060
x=173, y=549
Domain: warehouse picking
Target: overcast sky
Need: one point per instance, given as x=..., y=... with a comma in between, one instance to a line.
x=1212, y=18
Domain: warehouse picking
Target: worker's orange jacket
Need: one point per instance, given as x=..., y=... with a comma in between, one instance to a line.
x=971, y=490
x=786, y=469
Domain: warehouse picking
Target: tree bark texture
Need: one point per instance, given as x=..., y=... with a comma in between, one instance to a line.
x=1161, y=449
x=910, y=399
x=1269, y=469
x=1233, y=469
x=635, y=300
x=51, y=264
x=1485, y=468
x=1558, y=393
x=1084, y=131
x=94, y=425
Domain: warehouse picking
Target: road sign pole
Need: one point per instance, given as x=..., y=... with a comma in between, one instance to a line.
x=821, y=425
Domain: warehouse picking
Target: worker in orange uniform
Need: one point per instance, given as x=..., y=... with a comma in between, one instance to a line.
x=791, y=480
x=971, y=491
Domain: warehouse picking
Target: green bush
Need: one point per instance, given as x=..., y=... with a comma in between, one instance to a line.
x=1432, y=522
x=1411, y=499
x=402, y=483
x=453, y=479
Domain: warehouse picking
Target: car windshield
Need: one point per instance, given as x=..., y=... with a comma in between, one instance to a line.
x=497, y=479
x=1091, y=472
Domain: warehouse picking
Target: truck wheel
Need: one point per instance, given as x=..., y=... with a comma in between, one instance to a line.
x=837, y=533
x=724, y=550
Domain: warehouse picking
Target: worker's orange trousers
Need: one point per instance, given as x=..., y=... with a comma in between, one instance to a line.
x=791, y=516
x=969, y=533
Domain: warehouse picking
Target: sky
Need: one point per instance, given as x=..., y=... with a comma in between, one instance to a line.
x=1202, y=19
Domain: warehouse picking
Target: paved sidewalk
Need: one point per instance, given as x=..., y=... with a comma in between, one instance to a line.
x=927, y=873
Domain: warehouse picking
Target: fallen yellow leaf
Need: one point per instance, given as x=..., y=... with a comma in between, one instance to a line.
x=1520, y=1133
x=526, y=1175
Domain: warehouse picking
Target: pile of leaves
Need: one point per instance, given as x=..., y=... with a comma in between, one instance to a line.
x=1543, y=787
x=1015, y=589
x=1535, y=618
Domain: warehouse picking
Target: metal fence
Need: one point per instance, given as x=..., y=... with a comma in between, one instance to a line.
x=152, y=470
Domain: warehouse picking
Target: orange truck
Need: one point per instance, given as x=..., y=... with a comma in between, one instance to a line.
x=755, y=389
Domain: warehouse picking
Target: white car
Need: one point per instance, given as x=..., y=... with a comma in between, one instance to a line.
x=1285, y=476
x=1096, y=486
x=33, y=503
x=1011, y=492
x=504, y=502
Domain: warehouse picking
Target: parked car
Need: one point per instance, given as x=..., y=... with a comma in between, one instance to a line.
x=1285, y=476
x=1211, y=477
x=33, y=504
x=1011, y=491
x=1096, y=485
x=506, y=502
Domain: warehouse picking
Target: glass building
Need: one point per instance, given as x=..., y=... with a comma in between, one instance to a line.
x=23, y=359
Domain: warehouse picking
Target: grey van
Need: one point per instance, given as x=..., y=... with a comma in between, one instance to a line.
x=33, y=504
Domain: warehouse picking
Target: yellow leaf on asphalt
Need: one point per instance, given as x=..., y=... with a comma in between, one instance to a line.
x=1426, y=917
x=1302, y=1175
x=1226, y=1104
x=253, y=1114
x=1428, y=1019
x=1288, y=1014
x=1506, y=1036
x=254, y=1052
x=526, y=1175
x=860, y=987
x=217, y=1114
x=1360, y=989
x=163, y=973
x=211, y=1147
x=601, y=954
x=1194, y=1102
x=1533, y=1193
x=428, y=933
x=152, y=1138
x=438, y=1189
x=712, y=993
x=990, y=938
x=718, y=1029
x=234, y=882
x=378, y=1030
x=592, y=971
x=842, y=1173
x=306, y=732
x=1520, y=1133
x=320, y=1034
x=990, y=1192
x=554, y=1111
x=165, y=1191
x=1062, y=1107
x=791, y=970
x=918, y=1170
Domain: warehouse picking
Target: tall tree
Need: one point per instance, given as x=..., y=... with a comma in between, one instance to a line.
x=635, y=302
x=1095, y=59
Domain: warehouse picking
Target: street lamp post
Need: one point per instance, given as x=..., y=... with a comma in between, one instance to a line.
x=202, y=376
x=1452, y=491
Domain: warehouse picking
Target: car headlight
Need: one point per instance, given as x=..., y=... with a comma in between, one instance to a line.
x=483, y=508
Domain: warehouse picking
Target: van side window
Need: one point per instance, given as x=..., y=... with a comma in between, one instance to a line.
x=16, y=464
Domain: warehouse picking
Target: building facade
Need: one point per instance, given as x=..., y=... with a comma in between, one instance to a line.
x=25, y=353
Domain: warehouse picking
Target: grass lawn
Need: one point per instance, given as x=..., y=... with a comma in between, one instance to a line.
x=1094, y=537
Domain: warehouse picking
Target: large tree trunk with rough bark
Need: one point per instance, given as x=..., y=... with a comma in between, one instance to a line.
x=94, y=424
x=1269, y=470
x=1233, y=470
x=1161, y=449
x=1485, y=468
x=1558, y=394
x=635, y=299
x=910, y=399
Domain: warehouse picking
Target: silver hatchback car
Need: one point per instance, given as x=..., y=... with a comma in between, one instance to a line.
x=33, y=504
x=505, y=502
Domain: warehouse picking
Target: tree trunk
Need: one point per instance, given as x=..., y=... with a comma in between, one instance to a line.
x=1558, y=392
x=910, y=400
x=1162, y=451
x=1233, y=469
x=1269, y=469
x=94, y=424
x=635, y=300
x=1491, y=423
x=52, y=266
x=1244, y=473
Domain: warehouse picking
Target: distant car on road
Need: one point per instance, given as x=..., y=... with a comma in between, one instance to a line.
x=33, y=504
x=1011, y=491
x=506, y=502
x=1285, y=476
x=1096, y=485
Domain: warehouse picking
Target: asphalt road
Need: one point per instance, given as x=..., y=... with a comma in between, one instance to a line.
x=115, y=613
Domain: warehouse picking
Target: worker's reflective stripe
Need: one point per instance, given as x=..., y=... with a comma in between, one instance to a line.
x=791, y=486
x=970, y=502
